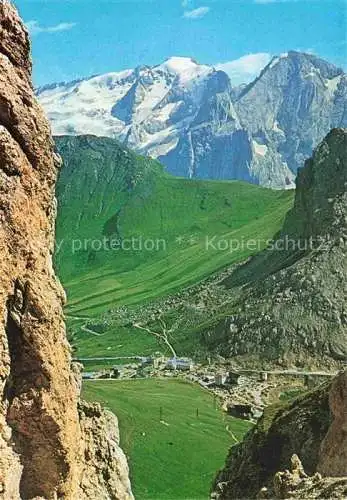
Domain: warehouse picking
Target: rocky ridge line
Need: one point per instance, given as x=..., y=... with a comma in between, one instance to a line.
x=194, y=122
x=291, y=308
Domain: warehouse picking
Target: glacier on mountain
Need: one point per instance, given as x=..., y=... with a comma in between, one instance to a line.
x=195, y=122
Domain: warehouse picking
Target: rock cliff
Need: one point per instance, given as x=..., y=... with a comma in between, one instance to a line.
x=309, y=426
x=291, y=298
x=46, y=445
x=333, y=453
x=295, y=483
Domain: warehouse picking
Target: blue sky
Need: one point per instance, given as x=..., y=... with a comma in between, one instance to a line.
x=77, y=38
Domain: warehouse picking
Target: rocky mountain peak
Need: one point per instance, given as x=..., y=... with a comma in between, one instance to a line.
x=188, y=115
x=321, y=196
x=299, y=62
x=327, y=70
x=292, y=105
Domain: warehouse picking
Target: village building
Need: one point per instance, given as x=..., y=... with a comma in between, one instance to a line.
x=183, y=364
x=263, y=376
x=233, y=378
x=220, y=378
x=147, y=361
x=158, y=361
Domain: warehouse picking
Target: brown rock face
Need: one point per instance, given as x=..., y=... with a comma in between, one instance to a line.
x=313, y=426
x=42, y=442
x=39, y=421
x=333, y=453
x=104, y=470
x=295, y=483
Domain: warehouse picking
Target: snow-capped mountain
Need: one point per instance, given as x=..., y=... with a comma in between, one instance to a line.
x=191, y=118
x=148, y=107
x=295, y=102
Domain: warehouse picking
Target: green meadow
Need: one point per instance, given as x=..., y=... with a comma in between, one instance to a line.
x=174, y=435
x=133, y=198
x=109, y=198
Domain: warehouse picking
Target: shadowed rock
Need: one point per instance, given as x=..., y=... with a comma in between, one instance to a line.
x=304, y=427
x=43, y=439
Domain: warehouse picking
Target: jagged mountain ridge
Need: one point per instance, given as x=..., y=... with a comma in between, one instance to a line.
x=191, y=118
x=133, y=105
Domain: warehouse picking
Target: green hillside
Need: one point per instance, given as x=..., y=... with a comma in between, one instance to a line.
x=107, y=196
x=173, y=449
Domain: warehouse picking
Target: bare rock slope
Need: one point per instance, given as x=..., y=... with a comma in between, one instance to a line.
x=47, y=447
x=312, y=427
x=292, y=299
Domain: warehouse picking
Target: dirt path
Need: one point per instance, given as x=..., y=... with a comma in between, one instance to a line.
x=162, y=336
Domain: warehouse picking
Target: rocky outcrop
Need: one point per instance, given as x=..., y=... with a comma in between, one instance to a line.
x=268, y=447
x=333, y=452
x=320, y=208
x=304, y=427
x=295, y=483
x=104, y=469
x=291, y=298
x=43, y=443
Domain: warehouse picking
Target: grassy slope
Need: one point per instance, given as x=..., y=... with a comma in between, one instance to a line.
x=106, y=190
x=173, y=461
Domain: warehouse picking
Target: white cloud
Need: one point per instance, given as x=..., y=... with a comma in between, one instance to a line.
x=245, y=69
x=34, y=27
x=196, y=13
x=185, y=3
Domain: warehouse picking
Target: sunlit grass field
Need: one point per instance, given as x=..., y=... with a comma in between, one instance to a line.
x=174, y=434
x=175, y=216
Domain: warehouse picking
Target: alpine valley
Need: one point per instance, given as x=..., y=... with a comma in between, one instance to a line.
x=199, y=232
x=195, y=122
x=200, y=287
x=184, y=268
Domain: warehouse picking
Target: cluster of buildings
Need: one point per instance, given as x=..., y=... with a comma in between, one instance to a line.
x=181, y=364
x=153, y=363
x=163, y=363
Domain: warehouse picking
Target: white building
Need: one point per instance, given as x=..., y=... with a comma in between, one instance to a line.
x=183, y=364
